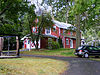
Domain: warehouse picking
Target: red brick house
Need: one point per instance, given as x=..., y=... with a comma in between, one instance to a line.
x=59, y=29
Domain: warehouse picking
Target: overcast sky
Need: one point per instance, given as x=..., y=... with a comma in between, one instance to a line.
x=48, y=8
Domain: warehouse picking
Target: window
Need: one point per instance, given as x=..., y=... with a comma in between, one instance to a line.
x=90, y=48
x=96, y=48
x=34, y=29
x=67, y=42
x=54, y=28
x=80, y=48
x=71, y=33
x=64, y=31
x=48, y=31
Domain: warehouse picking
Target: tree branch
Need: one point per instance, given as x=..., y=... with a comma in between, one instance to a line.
x=5, y=9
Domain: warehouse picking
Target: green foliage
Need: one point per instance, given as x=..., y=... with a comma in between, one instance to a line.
x=11, y=13
x=44, y=21
x=53, y=44
x=99, y=33
x=60, y=42
x=54, y=52
x=15, y=7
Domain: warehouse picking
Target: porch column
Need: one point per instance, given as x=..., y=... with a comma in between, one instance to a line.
x=17, y=46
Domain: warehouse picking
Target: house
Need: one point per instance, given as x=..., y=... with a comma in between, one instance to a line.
x=59, y=29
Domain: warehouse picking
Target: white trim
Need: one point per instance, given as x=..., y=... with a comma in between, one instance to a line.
x=59, y=31
x=34, y=29
x=71, y=46
x=71, y=33
x=66, y=41
x=54, y=28
x=30, y=45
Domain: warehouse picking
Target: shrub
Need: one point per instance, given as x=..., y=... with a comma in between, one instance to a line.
x=60, y=42
x=53, y=44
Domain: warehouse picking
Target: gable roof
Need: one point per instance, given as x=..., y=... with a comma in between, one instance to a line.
x=62, y=24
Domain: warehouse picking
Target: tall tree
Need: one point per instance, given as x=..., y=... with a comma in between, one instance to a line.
x=80, y=13
x=44, y=21
x=83, y=16
x=10, y=14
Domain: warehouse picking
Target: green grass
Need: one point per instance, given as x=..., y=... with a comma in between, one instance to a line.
x=55, y=52
x=97, y=59
x=32, y=66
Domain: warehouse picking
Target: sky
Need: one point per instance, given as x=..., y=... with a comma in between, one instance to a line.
x=38, y=6
x=34, y=1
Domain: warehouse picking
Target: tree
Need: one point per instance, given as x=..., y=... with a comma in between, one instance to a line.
x=59, y=7
x=99, y=33
x=45, y=21
x=10, y=13
x=83, y=16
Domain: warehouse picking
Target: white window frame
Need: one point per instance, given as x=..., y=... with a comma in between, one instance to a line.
x=63, y=31
x=34, y=29
x=54, y=28
x=71, y=33
x=47, y=30
x=59, y=32
x=71, y=43
x=67, y=41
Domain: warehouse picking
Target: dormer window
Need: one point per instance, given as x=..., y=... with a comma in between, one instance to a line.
x=48, y=31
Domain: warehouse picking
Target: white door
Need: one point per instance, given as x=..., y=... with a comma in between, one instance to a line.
x=71, y=43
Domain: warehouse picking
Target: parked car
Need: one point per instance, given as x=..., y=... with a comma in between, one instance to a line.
x=99, y=47
x=86, y=51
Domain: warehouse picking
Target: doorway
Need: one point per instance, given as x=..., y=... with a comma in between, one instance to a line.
x=71, y=43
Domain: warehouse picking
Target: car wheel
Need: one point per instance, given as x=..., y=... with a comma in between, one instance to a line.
x=86, y=55
x=96, y=56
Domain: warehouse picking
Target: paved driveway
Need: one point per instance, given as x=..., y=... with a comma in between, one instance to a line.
x=78, y=66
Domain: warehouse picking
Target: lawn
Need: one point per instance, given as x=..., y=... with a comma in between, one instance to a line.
x=97, y=59
x=55, y=52
x=32, y=66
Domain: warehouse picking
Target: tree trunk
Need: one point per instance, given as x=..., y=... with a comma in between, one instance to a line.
x=37, y=43
x=31, y=33
x=78, y=33
x=17, y=46
x=1, y=45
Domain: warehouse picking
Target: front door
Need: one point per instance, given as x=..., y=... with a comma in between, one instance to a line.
x=71, y=43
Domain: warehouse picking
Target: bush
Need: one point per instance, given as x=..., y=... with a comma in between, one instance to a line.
x=53, y=44
x=60, y=42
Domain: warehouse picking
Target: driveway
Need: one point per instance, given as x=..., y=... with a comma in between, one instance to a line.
x=78, y=66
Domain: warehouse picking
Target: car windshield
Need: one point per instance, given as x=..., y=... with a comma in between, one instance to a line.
x=99, y=47
x=80, y=47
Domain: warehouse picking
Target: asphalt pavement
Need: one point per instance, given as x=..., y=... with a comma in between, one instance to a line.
x=78, y=66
